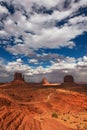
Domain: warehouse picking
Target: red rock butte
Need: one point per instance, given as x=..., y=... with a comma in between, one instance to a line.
x=44, y=81
x=68, y=79
x=18, y=76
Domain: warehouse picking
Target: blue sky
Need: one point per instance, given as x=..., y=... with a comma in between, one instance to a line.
x=43, y=39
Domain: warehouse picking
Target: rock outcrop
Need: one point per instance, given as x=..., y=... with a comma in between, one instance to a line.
x=44, y=81
x=68, y=82
x=68, y=79
x=18, y=76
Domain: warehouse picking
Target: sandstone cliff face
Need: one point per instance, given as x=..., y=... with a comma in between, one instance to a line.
x=44, y=81
x=18, y=76
x=68, y=82
x=68, y=79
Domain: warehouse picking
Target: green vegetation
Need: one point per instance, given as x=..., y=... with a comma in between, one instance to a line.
x=54, y=115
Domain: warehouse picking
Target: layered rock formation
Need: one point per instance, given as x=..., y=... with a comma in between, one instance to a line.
x=18, y=76
x=44, y=81
x=68, y=82
x=68, y=79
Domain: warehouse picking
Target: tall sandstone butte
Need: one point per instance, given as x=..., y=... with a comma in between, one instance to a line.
x=18, y=76
x=68, y=82
x=68, y=79
x=44, y=81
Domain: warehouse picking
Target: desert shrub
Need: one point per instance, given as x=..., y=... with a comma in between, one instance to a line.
x=65, y=120
x=85, y=109
x=54, y=115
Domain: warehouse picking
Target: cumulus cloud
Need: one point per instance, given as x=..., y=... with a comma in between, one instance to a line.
x=35, y=61
x=39, y=29
x=3, y=10
x=17, y=66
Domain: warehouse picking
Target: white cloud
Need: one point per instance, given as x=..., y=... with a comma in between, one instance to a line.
x=17, y=66
x=19, y=49
x=3, y=10
x=53, y=37
x=33, y=61
x=79, y=19
x=2, y=33
x=50, y=38
x=42, y=32
x=82, y=62
x=85, y=58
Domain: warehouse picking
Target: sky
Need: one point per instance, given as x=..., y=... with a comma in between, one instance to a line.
x=43, y=38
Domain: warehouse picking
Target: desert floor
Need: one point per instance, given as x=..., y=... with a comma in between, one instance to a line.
x=25, y=106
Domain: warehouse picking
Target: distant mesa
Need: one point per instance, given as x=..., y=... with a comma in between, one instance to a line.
x=68, y=82
x=44, y=81
x=68, y=79
x=18, y=76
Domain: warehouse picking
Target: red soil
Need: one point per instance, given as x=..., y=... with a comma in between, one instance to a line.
x=28, y=107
